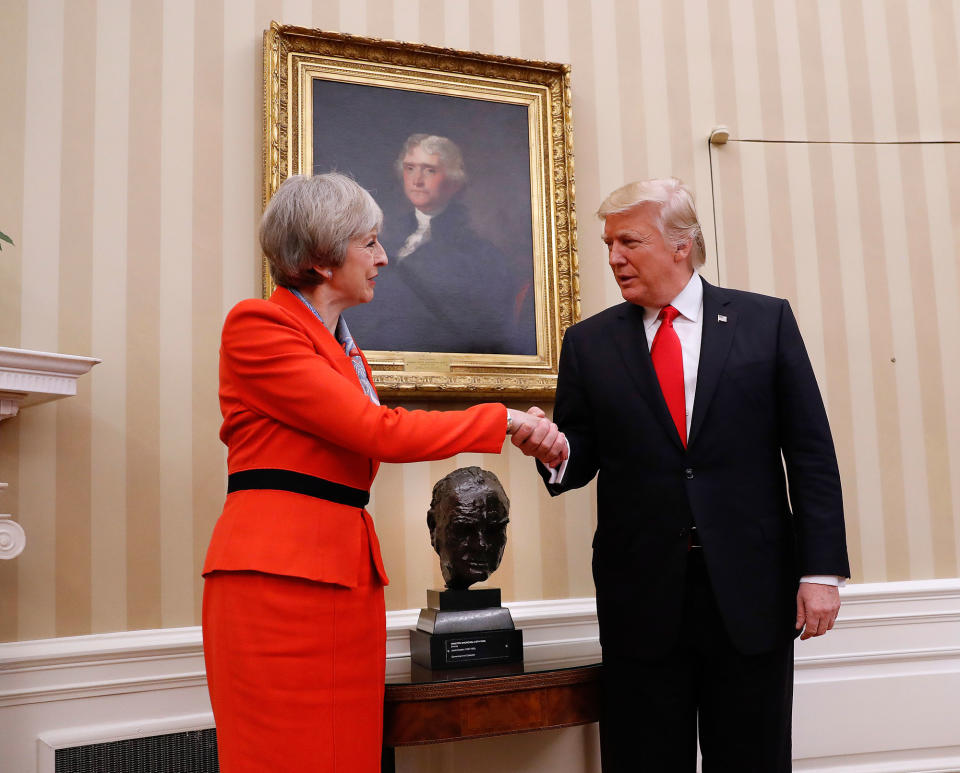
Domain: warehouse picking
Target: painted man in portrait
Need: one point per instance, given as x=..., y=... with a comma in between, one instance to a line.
x=446, y=288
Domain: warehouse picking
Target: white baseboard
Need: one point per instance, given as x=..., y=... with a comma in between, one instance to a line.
x=879, y=694
x=946, y=760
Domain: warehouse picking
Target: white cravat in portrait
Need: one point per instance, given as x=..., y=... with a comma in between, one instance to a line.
x=418, y=237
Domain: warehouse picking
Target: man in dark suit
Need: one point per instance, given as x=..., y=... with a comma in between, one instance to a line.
x=698, y=408
x=446, y=288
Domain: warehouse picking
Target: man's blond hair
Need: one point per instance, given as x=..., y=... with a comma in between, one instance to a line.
x=676, y=213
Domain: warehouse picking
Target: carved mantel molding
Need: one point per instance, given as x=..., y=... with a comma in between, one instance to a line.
x=29, y=378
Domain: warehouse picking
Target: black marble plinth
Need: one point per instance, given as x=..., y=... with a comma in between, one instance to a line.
x=460, y=650
x=473, y=598
x=460, y=620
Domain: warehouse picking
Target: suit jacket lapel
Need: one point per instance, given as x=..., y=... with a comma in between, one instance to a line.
x=326, y=343
x=374, y=463
x=322, y=338
x=630, y=340
x=719, y=324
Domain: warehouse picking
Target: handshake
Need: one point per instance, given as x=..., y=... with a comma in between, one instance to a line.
x=534, y=434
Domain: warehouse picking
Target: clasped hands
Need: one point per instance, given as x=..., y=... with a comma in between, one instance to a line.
x=534, y=434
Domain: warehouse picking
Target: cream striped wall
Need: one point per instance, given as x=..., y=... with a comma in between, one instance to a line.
x=130, y=144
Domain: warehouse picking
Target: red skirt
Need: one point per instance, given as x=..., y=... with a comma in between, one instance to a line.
x=295, y=670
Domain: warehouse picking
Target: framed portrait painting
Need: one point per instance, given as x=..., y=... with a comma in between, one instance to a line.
x=470, y=157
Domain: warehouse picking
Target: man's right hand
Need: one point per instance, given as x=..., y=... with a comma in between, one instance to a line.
x=537, y=436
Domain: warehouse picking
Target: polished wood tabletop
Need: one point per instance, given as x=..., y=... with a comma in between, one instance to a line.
x=423, y=706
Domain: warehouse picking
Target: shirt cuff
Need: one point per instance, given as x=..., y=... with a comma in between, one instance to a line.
x=825, y=579
x=557, y=473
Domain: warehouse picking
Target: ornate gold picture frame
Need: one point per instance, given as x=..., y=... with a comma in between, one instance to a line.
x=471, y=158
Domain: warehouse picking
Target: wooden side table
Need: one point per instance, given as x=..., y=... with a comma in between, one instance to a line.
x=434, y=706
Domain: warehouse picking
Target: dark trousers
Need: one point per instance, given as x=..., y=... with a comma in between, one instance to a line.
x=741, y=704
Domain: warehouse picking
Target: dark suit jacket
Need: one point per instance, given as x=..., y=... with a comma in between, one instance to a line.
x=756, y=399
x=455, y=293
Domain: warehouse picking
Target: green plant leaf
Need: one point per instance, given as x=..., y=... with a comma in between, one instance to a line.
x=4, y=238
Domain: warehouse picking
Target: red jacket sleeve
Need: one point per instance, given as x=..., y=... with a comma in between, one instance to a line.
x=277, y=371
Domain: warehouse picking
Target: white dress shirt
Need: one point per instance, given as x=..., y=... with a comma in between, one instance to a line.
x=689, y=327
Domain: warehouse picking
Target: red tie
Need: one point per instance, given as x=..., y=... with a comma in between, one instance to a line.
x=668, y=362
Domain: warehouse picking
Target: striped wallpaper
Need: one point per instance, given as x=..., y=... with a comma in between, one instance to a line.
x=130, y=144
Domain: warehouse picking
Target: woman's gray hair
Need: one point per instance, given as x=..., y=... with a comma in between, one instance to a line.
x=676, y=213
x=310, y=222
x=434, y=145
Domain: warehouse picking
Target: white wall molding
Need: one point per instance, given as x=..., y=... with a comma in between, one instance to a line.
x=937, y=760
x=102, y=664
x=883, y=658
x=28, y=377
x=877, y=694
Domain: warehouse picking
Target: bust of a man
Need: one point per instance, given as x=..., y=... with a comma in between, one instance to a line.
x=468, y=518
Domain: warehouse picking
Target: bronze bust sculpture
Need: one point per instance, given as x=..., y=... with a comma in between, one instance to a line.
x=468, y=518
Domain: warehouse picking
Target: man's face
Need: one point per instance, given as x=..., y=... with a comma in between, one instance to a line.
x=425, y=181
x=470, y=537
x=648, y=270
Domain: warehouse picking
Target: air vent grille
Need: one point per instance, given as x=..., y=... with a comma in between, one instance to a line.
x=194, y=751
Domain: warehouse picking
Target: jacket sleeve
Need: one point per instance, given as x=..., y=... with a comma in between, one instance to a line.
x=277, y=372
x=810, y=458
x=575, y=419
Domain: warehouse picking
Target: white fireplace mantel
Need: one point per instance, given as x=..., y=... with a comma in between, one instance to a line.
x=29, y=378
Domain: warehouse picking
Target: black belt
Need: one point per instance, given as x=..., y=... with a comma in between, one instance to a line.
x=298, y=483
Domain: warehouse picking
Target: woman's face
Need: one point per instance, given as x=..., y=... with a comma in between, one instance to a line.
x=354, y=281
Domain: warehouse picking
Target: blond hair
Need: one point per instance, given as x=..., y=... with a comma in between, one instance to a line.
x=676, y=213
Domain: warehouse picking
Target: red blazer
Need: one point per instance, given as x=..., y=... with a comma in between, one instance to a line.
x=291, y=400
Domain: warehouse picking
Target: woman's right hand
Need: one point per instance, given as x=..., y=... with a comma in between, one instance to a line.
x=535, y=435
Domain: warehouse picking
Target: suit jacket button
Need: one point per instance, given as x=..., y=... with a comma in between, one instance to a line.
x=688, y=473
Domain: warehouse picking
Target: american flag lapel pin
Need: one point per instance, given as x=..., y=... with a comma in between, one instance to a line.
x=721, y=318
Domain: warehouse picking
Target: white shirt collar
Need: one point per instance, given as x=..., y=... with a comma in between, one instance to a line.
x=689, y=302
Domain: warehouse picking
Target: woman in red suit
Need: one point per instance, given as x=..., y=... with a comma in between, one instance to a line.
x=293, y=614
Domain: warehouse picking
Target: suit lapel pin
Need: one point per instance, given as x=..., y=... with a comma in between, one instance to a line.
x=721, y=318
